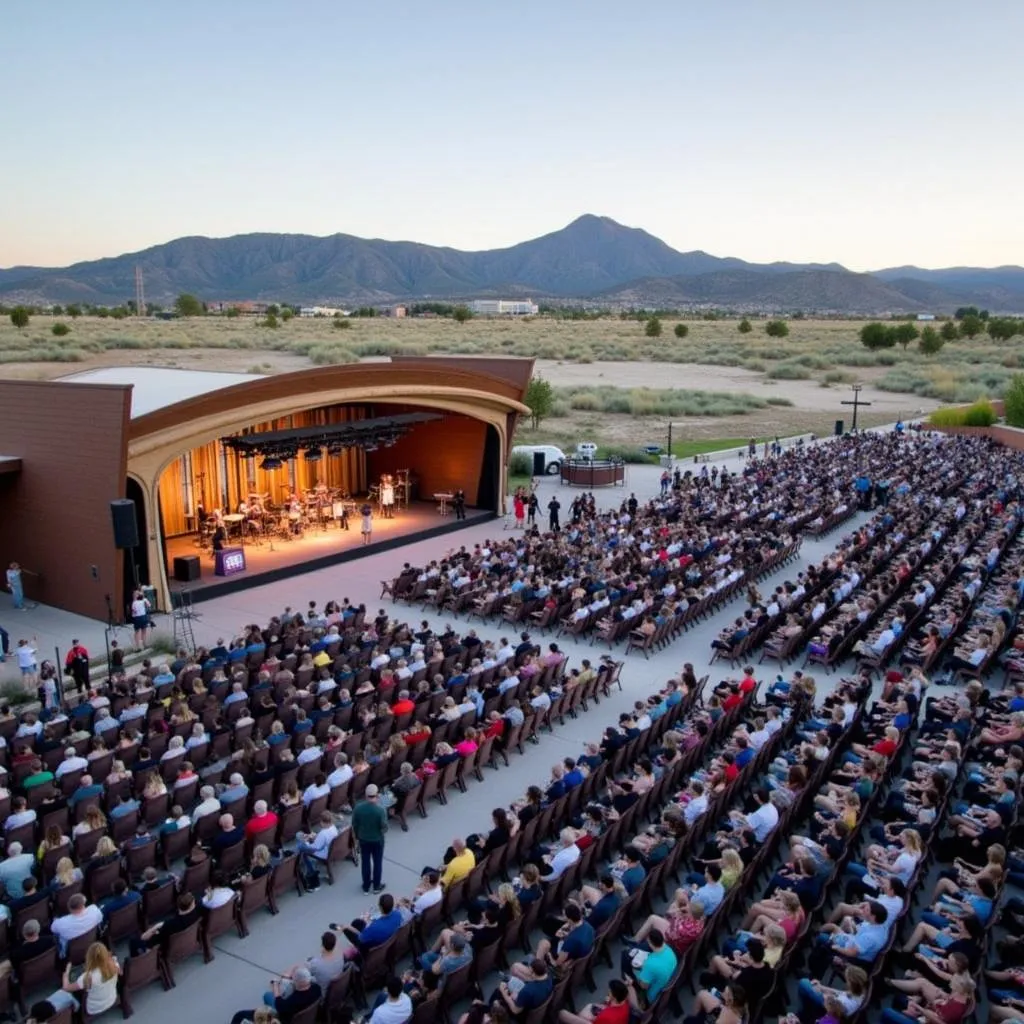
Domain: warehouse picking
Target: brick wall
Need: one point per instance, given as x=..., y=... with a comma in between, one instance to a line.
x=55, y=513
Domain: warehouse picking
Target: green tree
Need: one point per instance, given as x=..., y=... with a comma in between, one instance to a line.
x=188, y=305
x=681, y=330
x=963, y=311
x=19, y=316
x=971, y=325
x=1013, y=399
x=273, y=309
x=653, y=328
x=930, y=342
x=904, y=334
x=270, y=320
x=744, y=326
x=287, y=313
x=462, y=313
x=875, y=336
x=74, y=311
x=949, y=331
x=776, y=328
x=57, y=310
x=232, y=311
x=540, y=397
x=1003, y=328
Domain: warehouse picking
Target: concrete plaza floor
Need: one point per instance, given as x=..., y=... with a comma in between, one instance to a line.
x=242, y=968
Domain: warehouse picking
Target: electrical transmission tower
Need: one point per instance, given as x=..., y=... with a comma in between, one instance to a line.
x=140, y=295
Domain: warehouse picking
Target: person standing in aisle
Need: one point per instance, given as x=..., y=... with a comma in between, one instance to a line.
x=76, y=665
x=369, y=826
x=16, y=586
x=554, y=505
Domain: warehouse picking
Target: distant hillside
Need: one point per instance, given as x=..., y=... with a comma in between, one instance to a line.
x=834, y=290
x=591, y=257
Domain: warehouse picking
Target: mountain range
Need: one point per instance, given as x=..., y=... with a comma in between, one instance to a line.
x=594, y=259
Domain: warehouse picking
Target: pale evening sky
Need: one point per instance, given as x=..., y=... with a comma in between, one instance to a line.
x=871, y=132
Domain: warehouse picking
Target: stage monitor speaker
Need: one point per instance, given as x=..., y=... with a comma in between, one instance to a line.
x=126, y=530
x=839, y=428
x=540, y=464
x=186, y=568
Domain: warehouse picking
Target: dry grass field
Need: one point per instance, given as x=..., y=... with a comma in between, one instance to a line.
x=613, y=384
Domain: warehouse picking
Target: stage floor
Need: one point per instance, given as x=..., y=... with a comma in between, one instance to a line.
x=316, y=549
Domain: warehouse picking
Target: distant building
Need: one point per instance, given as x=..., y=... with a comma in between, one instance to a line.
x=243, y=306
x=504, y=307
x=310, y=311
x=399, y=312
x=925, y=316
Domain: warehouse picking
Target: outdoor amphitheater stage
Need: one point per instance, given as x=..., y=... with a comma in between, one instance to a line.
x=318, y=548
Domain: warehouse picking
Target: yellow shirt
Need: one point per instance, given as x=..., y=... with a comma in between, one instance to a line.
x=458, y=867
x=321, y=658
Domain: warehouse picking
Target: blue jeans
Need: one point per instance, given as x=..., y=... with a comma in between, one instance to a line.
x=855, y=869
x=308, y=861
x=18, y=593
x=809, y=994
x=5, y=643
x=371, y=856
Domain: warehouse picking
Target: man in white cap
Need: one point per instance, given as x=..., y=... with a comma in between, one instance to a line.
x=369, y=825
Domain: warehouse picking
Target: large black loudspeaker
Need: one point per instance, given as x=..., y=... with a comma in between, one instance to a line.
x=126, y=530
x=186, y=568
x=839, y=428
x=540, y=464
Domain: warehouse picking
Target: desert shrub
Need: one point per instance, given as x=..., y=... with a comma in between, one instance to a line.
x=60, y=330
x=585, y=401
x=980, y=414
x=520, y=465
x=1013, y=399
x=329, y=355
x=789, y=371
x=947, y=417
x=15, y=694
x=780, y=401
x=776, y=329
x=754, y=364
x=560, y=408
x=839, y=377
x=627, y=454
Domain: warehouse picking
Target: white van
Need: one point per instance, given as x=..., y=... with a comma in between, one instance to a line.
x=553, y=457
x=586, y=450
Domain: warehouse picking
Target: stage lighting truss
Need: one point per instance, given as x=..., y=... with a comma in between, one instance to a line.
x=279, y=446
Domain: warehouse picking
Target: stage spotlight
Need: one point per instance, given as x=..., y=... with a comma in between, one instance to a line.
x=314, y=455
x=271, y=462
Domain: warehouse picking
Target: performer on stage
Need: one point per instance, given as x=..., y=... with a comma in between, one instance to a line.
x=387, y=496
x=367, y=527
x=459, y=504
x=220, y=535
x=295, y=514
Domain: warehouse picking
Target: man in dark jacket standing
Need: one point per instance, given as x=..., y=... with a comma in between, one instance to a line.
x=369, y=825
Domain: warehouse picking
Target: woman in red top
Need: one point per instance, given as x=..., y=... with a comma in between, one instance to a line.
x=951, y=1009
x=614, y=1011
x=520, y=510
